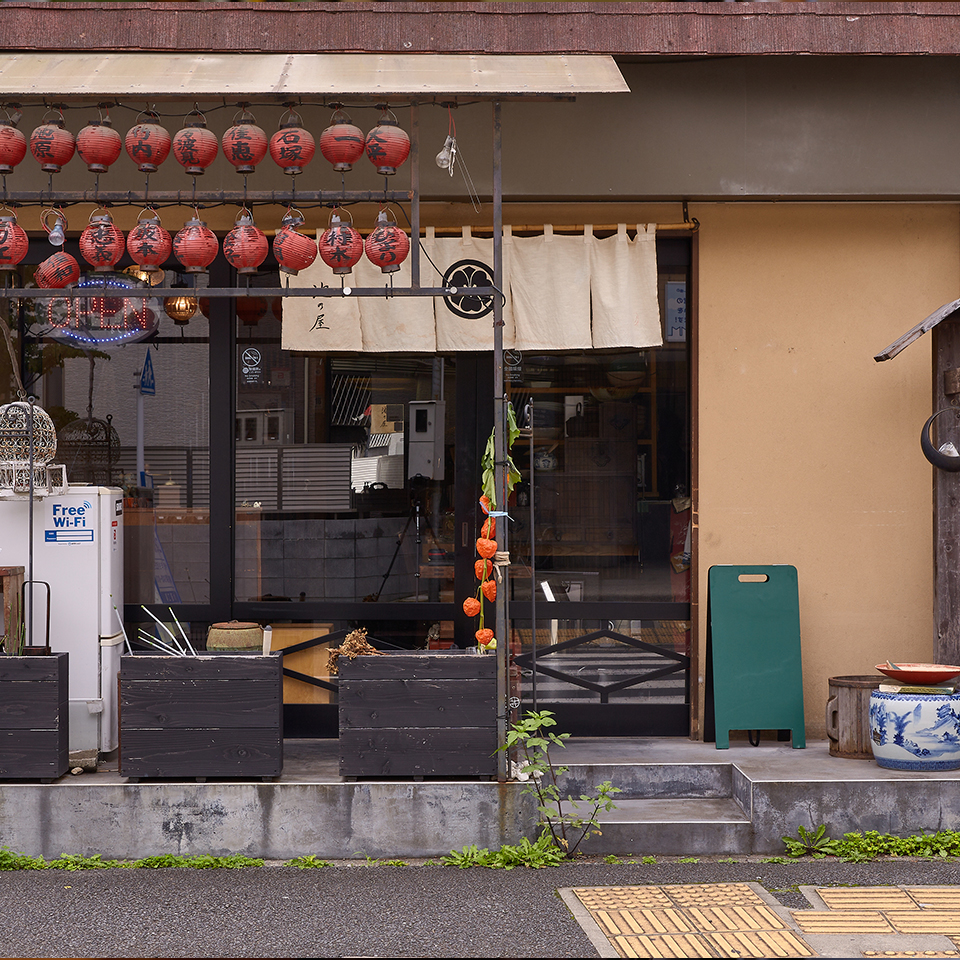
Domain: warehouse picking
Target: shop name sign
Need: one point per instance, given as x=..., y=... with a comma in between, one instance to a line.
x=69, y=524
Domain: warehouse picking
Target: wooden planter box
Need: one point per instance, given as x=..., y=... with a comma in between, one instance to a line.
x=217, y=715
x=418, y=715
x=34, y=717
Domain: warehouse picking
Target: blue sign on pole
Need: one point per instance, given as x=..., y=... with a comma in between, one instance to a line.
x=148, y=382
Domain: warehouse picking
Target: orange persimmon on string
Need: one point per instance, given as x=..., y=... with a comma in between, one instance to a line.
x=483, y=569
x=489, y=528
x=484, y=636
x=471, y=606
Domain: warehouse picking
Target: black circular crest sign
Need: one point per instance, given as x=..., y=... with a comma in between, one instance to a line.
x=465, y=274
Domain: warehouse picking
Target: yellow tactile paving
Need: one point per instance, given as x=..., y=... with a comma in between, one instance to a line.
x=942, y=922
x=615, y=898
x=682, y=946
x=866, y=898
x=710, y=894
x=911, y=953
x=843, y=921
x=734, y=919
x=764, y=943
x=652, y=922
x=936, y=898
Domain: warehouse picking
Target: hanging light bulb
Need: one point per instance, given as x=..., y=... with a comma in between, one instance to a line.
x=56, y=234
x=447, y=156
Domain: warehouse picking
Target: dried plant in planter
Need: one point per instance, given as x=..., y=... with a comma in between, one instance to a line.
x=354, y=645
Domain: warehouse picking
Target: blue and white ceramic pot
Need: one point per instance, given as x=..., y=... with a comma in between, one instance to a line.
x=915, y=731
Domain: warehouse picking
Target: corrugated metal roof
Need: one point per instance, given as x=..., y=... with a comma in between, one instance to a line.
x=305, y=74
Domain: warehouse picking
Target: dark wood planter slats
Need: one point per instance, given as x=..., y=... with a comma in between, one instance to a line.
x=34, y=717
x=207, y=716
x=418, y=715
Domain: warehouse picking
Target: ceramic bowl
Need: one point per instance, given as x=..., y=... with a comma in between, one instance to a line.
x=920, y=672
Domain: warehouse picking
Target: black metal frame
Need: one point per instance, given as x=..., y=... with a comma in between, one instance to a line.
x=681, y=662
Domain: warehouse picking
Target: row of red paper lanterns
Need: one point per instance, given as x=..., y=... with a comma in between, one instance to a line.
x=245, y=247
x=195, y=147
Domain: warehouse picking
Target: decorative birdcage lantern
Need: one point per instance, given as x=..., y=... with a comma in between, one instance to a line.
x=387, y=246
x=105, y=317
x=194, y=146
x=14, y=242
x=341, y=247
x=342, y=143
x=99, y=145
x=195, y=246
x=52, y=145
x=148, y=244
x=387, y=144
x=293, y=250
x=13, y=145
x=292, y=147
x=245, y=246
x=24, y=425
x=245, y=144
x=102, y=243
x=147, y=143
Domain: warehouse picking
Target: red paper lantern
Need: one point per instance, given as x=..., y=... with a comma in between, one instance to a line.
x=292, y=147
x=13, y=243
x=387, y=246
x=340, y=246
x=148, y=144
x=245, y=144
x=293, y=250
x=101, y=243
x=195, y=147
x=342, y=144
x=148, y=244
x=13, y=146
x=195, y=246
x=245, y=246
x=52, y=146
x=387, y=145
x=98, y=145
x=57, y=271
x=251, y=310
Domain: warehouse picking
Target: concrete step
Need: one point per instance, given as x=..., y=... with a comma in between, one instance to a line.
x=651, y=781
x=672, y=828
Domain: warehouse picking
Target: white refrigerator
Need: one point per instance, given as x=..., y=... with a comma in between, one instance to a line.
x=78, y=551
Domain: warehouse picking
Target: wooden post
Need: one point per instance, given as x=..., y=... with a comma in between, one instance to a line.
x=946, y=639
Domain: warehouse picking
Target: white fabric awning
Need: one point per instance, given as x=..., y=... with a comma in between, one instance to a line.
x=305, y=74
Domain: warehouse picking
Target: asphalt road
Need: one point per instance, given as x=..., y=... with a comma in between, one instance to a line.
x=362, y=910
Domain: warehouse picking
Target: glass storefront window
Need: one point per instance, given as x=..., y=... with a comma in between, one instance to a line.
x=344, y=468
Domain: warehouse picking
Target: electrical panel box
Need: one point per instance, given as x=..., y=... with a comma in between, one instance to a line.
x=425, y=430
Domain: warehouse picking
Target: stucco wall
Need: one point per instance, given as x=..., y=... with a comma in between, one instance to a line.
x=809, y=449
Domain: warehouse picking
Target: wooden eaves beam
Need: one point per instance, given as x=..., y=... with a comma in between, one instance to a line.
x=915, y=333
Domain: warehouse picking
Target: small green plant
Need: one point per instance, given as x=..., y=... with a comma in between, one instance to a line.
x=727, y=860
x=688, y=860
x=394, y=863
x=777, y=860
x=20, y=861
x=76, y=862
x=543, y=852
x=612, y=858
x=199, y=862
x=817, y=844
x=308, y=862
x=565, y=825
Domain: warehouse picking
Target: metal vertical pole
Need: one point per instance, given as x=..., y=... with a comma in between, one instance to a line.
x=502, y=631
x=415, y=190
